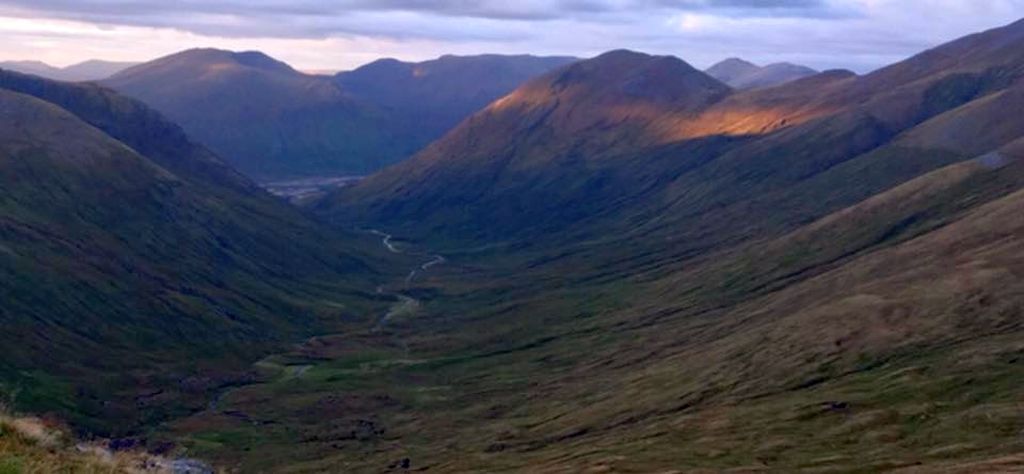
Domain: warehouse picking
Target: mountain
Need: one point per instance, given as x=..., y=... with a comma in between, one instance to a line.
x=94, y=69
x=139, y=272
x=742, y=74
x=272, y=122
x=646, y=270
x=91, y=70
x=426, y=99
x=551, y=155
x=265, y=118
x=37, y=68
x=732, y=69
x=560, y=142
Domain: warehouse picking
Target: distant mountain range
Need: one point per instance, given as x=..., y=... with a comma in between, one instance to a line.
x=742, y=74
x=92, y=70
x=273, y=122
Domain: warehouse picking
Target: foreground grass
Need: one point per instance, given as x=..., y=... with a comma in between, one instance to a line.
x=28, y=446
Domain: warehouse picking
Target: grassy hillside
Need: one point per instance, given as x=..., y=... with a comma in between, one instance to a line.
x=882, y=337
x=29, y=445
x=643, y=276
x=139, y=273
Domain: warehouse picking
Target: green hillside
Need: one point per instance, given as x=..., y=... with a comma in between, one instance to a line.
x=644, y=274
x=139, y=273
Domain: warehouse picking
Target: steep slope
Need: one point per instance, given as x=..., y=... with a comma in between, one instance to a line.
x=91, y=70
x=740, y=164
x=428, y=98
x=542, y=142
x=272, y=122
x=134, y=262
x=741, y=74
x=977, y=127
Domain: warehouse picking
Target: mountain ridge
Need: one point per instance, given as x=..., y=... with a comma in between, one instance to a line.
x=855, y=115
x=273, y=122
x=90, y=70
x=742, y=74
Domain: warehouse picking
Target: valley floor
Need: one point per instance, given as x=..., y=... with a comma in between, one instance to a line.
x=616, y=387
x=299, y=190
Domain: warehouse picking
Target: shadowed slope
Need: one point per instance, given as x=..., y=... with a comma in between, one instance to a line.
x=123, y=247
x=265, y=118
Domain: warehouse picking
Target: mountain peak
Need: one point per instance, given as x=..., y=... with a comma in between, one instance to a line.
x=90, y=70
x=743, y=74
x=205, y=59
x=37, y=68
x=838, y=73
x=258, y=60
x=251, y=59
x=734, y=61
x=664, y=81
x=734, y=64
x=624, y=58
x=381, y=67
x=731, y=69
x=623, y=54
x=786, y=65
x=30, y=62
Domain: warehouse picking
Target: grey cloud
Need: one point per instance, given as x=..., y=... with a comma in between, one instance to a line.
x=312, y=18
x=492, y=9
x=755, y=4
x=763, y=8
x=823, y=33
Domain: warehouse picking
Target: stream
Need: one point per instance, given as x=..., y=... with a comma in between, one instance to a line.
x=406, y=304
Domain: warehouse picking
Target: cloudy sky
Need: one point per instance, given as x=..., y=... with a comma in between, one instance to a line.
x=341, y=34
